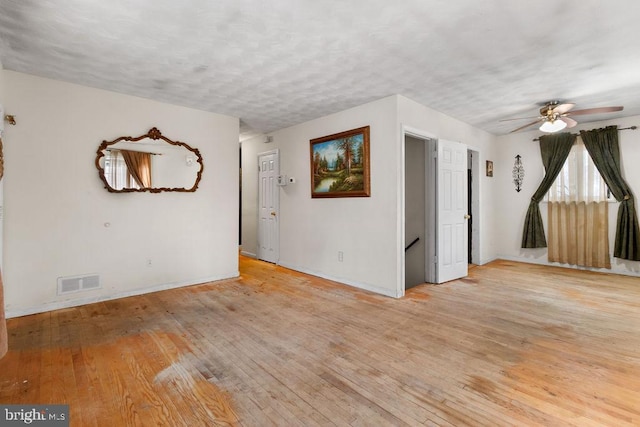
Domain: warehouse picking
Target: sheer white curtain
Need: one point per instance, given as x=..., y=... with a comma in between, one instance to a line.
x=578, y=213
x=116, y=171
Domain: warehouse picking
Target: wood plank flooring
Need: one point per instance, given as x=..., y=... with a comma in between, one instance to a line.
x=511, y=345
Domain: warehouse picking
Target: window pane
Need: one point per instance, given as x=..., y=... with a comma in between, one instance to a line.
x=116, y=172
x=579, y=179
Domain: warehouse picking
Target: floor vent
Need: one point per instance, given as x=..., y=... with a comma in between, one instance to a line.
x=67, y=285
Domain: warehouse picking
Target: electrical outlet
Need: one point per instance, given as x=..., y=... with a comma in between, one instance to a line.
x=340, y=256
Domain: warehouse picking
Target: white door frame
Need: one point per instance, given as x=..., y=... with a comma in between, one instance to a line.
x=401, y=268
x=477, y=185
x=475, y=204
x=276, y=205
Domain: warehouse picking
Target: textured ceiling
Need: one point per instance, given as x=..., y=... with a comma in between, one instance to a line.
x=277, y=63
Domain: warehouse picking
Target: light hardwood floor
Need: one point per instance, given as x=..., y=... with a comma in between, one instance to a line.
x=513, y=344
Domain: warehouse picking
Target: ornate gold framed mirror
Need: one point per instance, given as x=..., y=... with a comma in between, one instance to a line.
x=148, y=163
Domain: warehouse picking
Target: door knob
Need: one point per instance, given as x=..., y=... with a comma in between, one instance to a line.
x=467, y=216
x=273, y=214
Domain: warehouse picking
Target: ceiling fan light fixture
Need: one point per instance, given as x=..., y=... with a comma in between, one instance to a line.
x=555, y=116
x=551, y=126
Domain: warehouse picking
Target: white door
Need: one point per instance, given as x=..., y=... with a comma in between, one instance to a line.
x=268, y=206
x=452, y=211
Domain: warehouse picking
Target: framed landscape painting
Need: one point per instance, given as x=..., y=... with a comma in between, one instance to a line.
x=340, y=164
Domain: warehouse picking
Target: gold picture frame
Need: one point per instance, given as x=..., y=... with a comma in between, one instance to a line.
x=340, y=164
x=489, y=168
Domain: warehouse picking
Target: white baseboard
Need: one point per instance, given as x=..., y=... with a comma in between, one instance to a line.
x=89, y=300
x=487, y=260
x=248, y=254
x=538, y=261
x=359, y=285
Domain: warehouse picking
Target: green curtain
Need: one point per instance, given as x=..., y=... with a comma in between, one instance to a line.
x=554, y=150
x=602, y=145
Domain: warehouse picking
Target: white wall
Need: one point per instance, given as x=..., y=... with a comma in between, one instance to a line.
x=171, y=169
x=313, y=231
x=367, y=230
x=56, y=207
x=2, y=101
x=514, y=205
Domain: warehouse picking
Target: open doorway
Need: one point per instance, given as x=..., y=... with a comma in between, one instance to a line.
x=419, y=217
x=473, y=169
x=421, y=213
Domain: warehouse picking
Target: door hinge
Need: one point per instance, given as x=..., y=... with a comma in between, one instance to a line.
x=435, y=259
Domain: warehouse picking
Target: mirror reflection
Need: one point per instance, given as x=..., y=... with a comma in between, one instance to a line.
x=149, y=162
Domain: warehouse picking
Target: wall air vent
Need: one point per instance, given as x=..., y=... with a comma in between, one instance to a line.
x=70, y=284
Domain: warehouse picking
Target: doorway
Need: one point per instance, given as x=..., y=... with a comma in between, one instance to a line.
x=419, y=218
x=440, y=236
x=474, y=174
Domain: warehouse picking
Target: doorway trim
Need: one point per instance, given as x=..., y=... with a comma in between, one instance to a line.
x=401, y=243
x=475, y=203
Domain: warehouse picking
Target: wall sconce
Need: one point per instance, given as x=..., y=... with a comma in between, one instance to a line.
x=518, y=173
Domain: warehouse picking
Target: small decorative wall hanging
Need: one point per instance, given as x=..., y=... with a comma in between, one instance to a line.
x=518, y=173
x=489, y=168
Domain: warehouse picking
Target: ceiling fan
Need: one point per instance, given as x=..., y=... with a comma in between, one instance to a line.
x=555, y=116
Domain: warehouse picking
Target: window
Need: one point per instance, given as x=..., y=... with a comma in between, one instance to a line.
x=579, y=179
x=116, y=172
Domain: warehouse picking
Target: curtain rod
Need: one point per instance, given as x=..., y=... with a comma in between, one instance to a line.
x=577, y=134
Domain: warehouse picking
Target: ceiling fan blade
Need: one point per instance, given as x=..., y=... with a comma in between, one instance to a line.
x=569, y=121
x=525, y=126
x=520, y=118
x=594, y=111
x=563, y=108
